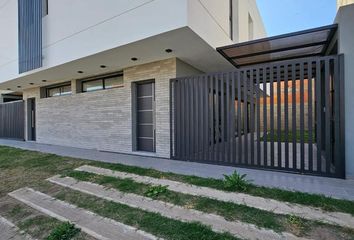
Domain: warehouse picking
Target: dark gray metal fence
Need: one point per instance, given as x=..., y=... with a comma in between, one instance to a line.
x=286, y=116
x=12, y=120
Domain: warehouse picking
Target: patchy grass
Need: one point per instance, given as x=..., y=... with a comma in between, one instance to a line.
x=64, y=231
x=283, y=136
x=21, y=168
x=314, y=200
x=38, y=226
x=155, y=191
x=230, y=211
x=150, y=222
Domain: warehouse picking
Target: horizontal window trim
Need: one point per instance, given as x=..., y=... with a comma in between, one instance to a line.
x=107, y=75
x=101, y=78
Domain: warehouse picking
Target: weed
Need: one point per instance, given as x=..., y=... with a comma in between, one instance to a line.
x=155, y=191
x=65, y=231
x=236, y=181
x=296, y=221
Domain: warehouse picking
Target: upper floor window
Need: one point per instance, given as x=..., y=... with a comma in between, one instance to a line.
x=59, y=90
x=45, y=8
x=102, y=83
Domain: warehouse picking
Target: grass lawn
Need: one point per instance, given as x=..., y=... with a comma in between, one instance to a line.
x=283, y=136
x=20, y=168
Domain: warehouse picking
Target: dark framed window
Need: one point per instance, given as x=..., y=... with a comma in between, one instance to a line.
x=58, y=90
x=102, y=83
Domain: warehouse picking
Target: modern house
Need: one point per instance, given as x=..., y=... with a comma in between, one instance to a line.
x=193, y=80
x=96, y=75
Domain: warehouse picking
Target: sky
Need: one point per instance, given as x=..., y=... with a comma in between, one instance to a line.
x=284, y=16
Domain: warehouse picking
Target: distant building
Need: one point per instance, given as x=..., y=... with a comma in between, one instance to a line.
x=344, y=2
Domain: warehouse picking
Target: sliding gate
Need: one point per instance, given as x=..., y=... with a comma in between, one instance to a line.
x=285, y=116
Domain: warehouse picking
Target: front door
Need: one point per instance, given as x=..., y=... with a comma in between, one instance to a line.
x=145, y=116
x=31, y=119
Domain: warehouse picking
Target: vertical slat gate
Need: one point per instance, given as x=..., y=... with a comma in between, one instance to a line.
x=285, y=116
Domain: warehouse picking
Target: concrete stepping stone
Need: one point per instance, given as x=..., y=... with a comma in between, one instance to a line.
x=89, y=222
x=217, y=223
x=310, y=213
x=8, y=231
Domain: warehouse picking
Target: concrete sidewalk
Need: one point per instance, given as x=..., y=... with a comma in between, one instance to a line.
x=337, y=188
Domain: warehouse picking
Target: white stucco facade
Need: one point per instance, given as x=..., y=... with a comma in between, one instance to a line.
x=83, y=35
x=345, y=19
x=88, y=27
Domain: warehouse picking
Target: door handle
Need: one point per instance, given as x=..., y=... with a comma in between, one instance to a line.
x=32, y=118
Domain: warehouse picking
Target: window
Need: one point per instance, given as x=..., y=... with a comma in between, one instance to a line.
x=113, y=82
x=44, y=8
x=60, y=90
x=102, y=83
x=93, y=85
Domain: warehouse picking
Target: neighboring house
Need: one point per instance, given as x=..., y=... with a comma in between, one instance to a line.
x=96, y=74
x=294, y=94
x=341, y=3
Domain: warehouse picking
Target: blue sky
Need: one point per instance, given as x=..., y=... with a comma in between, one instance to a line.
x=284, y=16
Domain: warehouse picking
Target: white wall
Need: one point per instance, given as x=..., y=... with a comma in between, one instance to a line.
x=219, y=11
x=8, y=38
x=345, y=19
x=88, y=26
x=75, y=29
x=210, y=20
x=243, y=9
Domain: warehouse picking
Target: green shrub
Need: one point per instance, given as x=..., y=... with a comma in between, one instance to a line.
x=236, y=182
x=65, y=231
x=155, y=191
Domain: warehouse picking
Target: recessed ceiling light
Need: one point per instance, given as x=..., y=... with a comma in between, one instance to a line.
x=31, y=83
x=168, y=50
x=134, y=59
x=8, y=89
x=103, y=66
x=44, y=80
x=80, y=72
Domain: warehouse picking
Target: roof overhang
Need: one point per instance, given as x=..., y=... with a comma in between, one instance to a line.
x=308, y=43
x=187, y=46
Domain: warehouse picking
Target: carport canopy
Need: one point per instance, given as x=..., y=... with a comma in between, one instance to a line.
x=308, y=43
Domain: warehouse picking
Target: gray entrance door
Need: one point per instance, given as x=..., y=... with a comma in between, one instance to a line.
x=31, y=119
x=145, y=120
